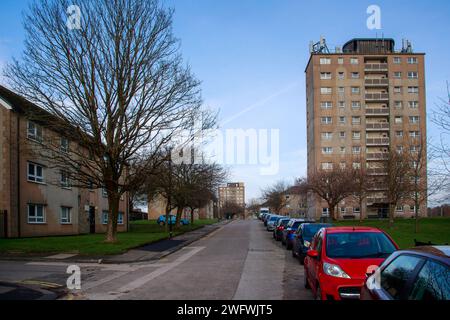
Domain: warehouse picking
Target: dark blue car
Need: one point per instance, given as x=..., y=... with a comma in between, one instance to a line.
x=172, y=220
x=303, y=236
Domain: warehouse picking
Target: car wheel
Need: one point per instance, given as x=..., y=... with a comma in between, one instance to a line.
x=305, y=280
x=301, y=259
x=318, y=293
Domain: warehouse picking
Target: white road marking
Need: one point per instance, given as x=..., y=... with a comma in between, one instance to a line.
x=152, y=275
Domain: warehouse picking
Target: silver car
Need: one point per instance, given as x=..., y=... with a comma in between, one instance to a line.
x=271, y=222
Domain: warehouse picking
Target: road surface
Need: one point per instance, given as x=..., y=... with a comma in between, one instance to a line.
x=239, y=261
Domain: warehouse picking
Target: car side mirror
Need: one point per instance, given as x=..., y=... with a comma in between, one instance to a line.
x=313, y=254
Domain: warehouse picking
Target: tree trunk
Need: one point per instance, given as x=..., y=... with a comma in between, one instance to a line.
x=416, y=213
x=391, y=215
x=179, y=213
x=360, y=210
x=192, y=215
x=166, y=225
x=332, y=213
x=111, y=230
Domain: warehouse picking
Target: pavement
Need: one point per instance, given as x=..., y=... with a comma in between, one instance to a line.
x=238, y=260
x=148, y=252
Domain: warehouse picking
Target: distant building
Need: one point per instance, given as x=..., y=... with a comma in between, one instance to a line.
x=36, y=199
x=157, y=207
x=295, y=202
x=233, y=193
x=363, y=101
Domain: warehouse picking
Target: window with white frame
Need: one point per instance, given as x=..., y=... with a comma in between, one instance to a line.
x=327, y=150
x=325, y=211
x=397, y=89
x=327, y=165
x=36, y=214
x=342, y=165
x=341, y=104
x=356, y=210
x=325, y=61
x=325, y=75
x=356, y=135
x=398, y=104
x=105, y=215
x=343, y=210
x=120, y=218
x=412, y=60
x=355, y=75
x=327, y=135
x=356, y=104
x=326, y=90
x=66, y=215
x=414, y=119
x=104, y=192
x=341, y=75
x=342, y=149
x=65, y=181
x=342, y=120
x=341, y=90
x=397, y=74
x=326, y=104
x=414, y=148
x=356, y=150
x=356, y=90
x=399, y=208
x=34, y=131
x=356, y=165
x=342, y=134
x=398, y=120
x=35, y=172
x=413, y=104
x=399, y=149
x=64, y=145
x=397, y=60
x=399, y=134
x=413, y=89
x=354, y=61
x=356, y=120
x=412, y=208
x=340, y=60
x=326, y=120
x=413, y=75
x=414, y=134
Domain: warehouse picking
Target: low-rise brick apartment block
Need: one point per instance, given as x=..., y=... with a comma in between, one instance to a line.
x=35, y=199
x=363, y=101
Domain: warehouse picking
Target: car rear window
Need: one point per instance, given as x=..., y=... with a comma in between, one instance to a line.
x=273, y=218
x=296, y=224
x=354, y=245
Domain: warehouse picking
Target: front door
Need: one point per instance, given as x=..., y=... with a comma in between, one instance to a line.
x=92, y=219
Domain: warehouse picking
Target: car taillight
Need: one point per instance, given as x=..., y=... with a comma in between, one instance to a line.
x=280, y=228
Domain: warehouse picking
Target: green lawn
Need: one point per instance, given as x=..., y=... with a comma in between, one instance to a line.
x=142, y=232
x=436, y=230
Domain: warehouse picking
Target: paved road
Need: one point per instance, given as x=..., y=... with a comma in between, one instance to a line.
x=238, y=261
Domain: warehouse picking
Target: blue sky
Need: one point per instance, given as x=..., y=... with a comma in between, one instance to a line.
x=250, y=52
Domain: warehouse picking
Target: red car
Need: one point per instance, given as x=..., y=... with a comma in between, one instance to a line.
x=340, y=258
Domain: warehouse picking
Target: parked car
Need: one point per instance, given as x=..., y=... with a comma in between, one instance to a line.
x=303, y=237
x=172, y=220
x=421, y=273
x=288, y=232
x=278, y=231
x=266, y=218
x=339, y=258
x=271, y=222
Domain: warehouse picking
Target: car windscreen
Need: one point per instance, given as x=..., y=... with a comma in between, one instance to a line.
x=310, y=230
x=296, y=224
x=354, y=245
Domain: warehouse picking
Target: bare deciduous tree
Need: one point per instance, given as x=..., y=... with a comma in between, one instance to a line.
x=398, y=184
x=275, y=196
x=332, y=185
x=118, y=82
